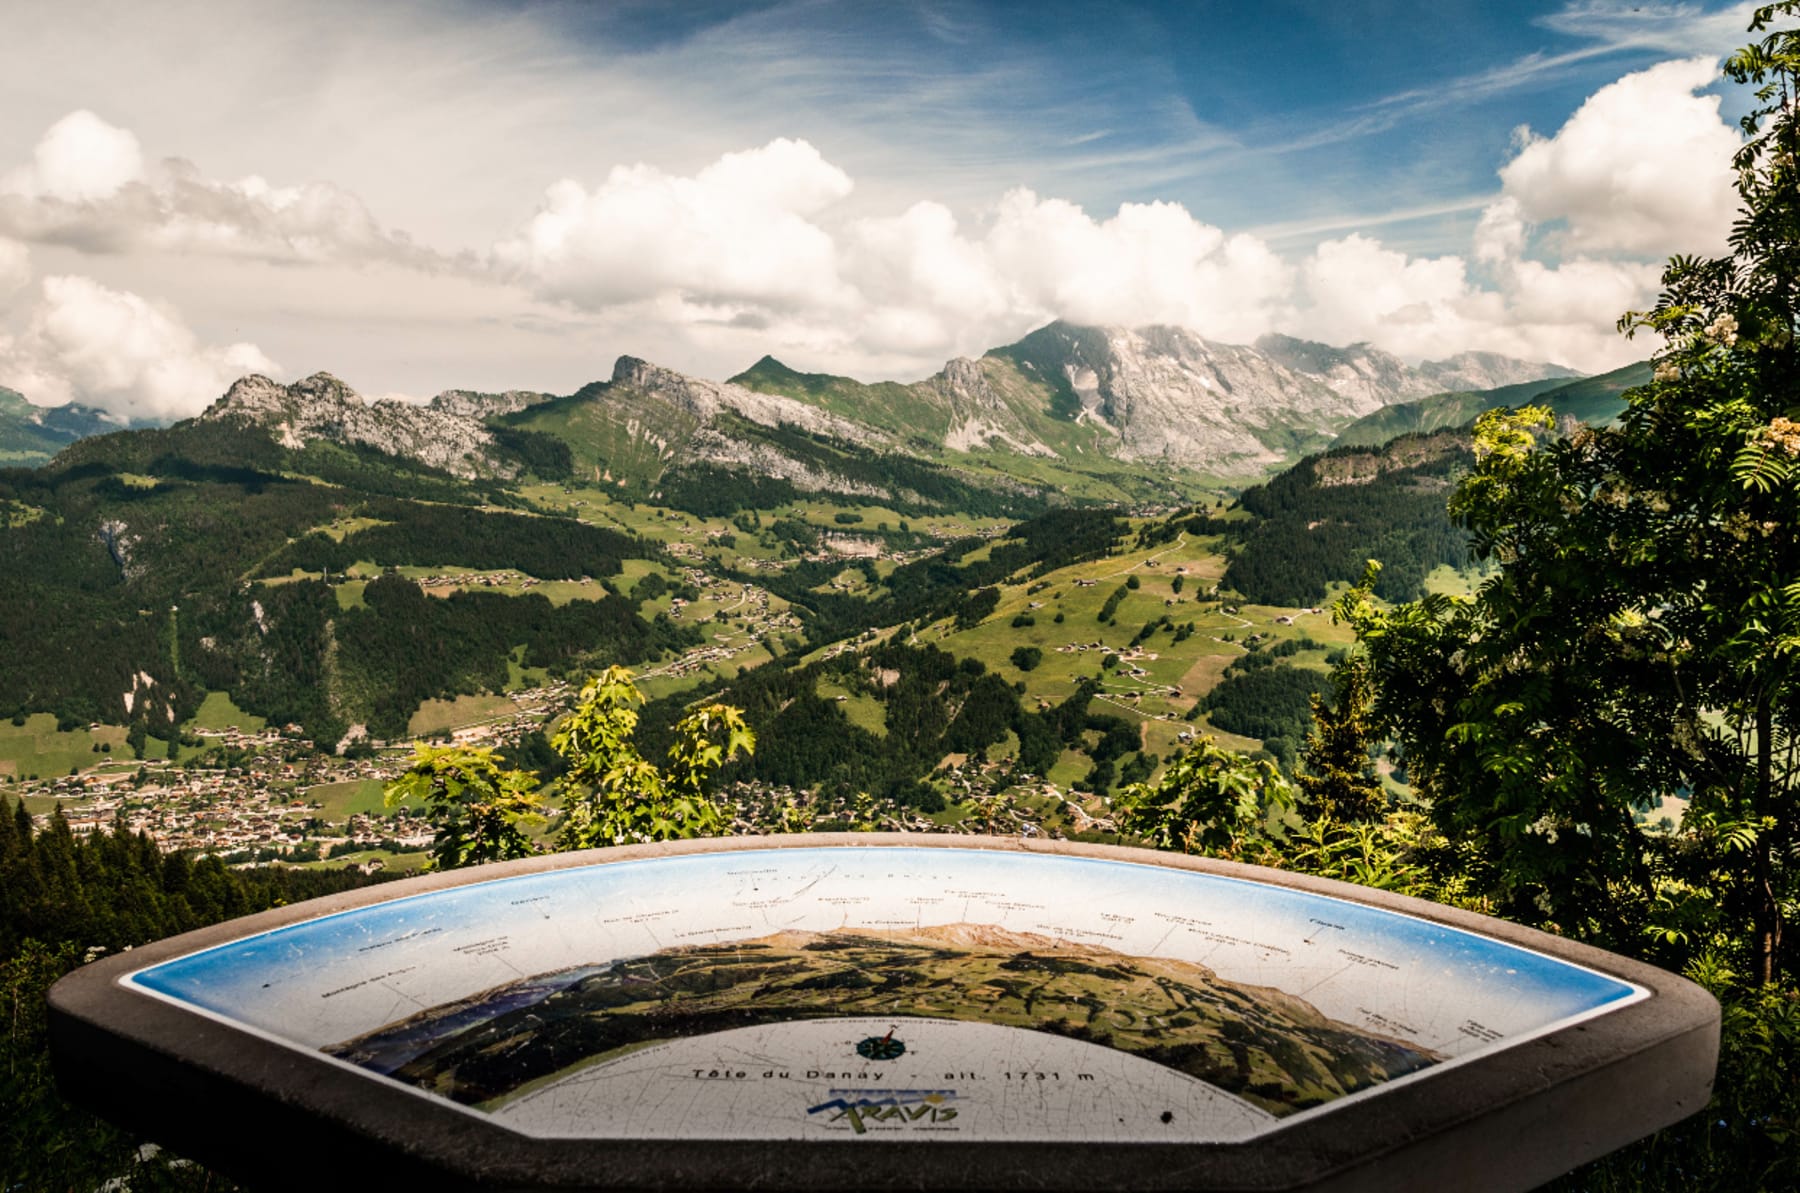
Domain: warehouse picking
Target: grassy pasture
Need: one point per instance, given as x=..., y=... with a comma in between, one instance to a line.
x=410, y=862
x=438, y=716
x=1178, y=674
x=37, y=748
x=355, y=797
x=218, y=712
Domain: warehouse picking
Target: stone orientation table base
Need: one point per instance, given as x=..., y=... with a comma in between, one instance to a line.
x=881, y=1012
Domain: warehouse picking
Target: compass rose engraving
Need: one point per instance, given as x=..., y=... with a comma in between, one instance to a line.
x=881, y=1047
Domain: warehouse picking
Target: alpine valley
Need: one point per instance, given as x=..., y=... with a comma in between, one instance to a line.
x=1026, y=578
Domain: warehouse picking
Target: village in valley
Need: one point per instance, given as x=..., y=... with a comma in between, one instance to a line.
x=253, y=793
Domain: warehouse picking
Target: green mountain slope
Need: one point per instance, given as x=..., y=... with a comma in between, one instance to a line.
x=30, y=435
x=1596, y=400
x=1319, y=521
x=1590, y=400
x=615, y=436
x=1033, y=402
x=890, y=405
x=145, y=568
x=1436, y=413
x=1019, y=390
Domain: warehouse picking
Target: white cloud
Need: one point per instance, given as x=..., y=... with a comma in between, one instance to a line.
x=747, y=255
x=79, y=159
x=1501, y=233
x=87, y=187
x=1667, y=28
x=1356, y=289
x=774, y=248
x=923, y=280
x=1642, y=167
x=118, y=351
x=737, y=232
x=1641, y=171
x=1149, y=263
x=15, y=269
x=1430, y=307
x=751, y=242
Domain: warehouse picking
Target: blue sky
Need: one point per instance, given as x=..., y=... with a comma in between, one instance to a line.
x=424, y=195
x=326, y=980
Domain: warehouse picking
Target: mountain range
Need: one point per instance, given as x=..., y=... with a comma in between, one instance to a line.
x=1595, y=400
x=1142, y=403
x=289, y=545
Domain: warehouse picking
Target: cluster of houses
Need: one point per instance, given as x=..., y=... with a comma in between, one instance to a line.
x=263, y=806
x=255, y=808
x=500, y=579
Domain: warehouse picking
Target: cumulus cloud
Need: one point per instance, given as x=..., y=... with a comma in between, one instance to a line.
x=750, y=242
x=1641, y=167
x=760, y=251
x=87, y=187
x=923, y=283
x=15, y=269
x=116, y=350
x=80, y=158
x=1149, y=263
x=738, y=232
x=1430, y=307
x=1641, y=171
x=1360, y=290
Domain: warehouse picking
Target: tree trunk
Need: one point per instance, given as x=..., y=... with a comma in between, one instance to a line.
x=1767, y=910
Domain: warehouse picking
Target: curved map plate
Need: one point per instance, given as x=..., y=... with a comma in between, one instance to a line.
x=881, y=1012
x=930, y=993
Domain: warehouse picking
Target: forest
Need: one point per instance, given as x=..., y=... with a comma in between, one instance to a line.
x=109, y=575
x=1321, y=520
x=410, y=532
x=65, y=900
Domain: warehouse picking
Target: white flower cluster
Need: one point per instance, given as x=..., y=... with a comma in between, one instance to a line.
x=1667, y=370
x=1783, y=435
x=1723, y=331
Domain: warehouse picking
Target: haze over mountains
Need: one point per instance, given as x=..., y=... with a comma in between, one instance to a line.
x=1156, y=398
x=32, y=434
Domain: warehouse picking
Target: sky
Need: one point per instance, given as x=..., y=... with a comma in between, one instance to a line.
x=429, y=194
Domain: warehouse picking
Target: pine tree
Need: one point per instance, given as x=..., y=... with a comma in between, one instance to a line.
x=1337, y=779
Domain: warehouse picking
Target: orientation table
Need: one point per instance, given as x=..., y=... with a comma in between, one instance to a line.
x=881, y=1011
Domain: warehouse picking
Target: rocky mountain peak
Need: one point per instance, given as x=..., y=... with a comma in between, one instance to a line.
x=263, y=400
x=629, y=370
x=965, y=384
x=704, y=400
x=1472, y=371
x=323, y=387
x=470, y=403
x=249, y=395
x=323, y=407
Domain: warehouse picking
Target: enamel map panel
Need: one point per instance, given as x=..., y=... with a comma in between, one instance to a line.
x=930, y=993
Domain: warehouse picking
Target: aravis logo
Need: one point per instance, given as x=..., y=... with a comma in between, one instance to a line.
x=891, y=1109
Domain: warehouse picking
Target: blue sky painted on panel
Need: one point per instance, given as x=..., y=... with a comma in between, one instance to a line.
x=1433, y=976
